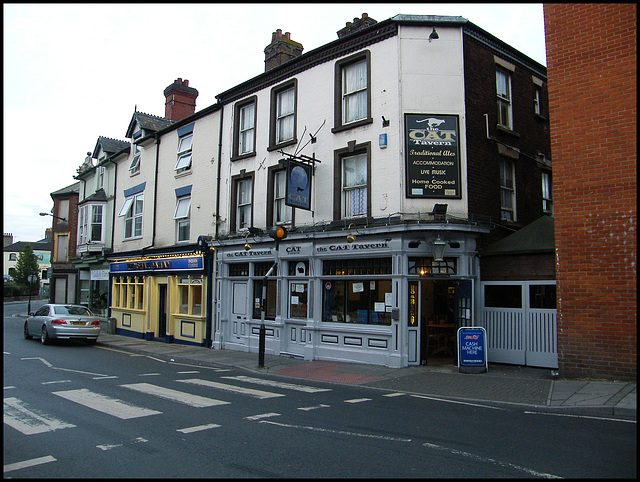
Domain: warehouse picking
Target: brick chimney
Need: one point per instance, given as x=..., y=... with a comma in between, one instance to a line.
x=181, y=100
x=358, y=24
x=280, y=50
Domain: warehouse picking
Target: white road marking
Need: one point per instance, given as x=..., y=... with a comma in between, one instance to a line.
x=231, y=388
x=358, y=400
x=49, y=365
x=28, y=463
x=174, y=395
x=529, y=472
x=458, y=402
x=582, y=416
x=399, y=394
x=113, y=446
x=104, y=404
x=56, y=381
x=19, y=415
x=198, y=428
x=277, y=384
x=188, y=372
x=306, y=409
x=339, y=432
x=262, y=415
x=149, y=374
x=9, y=387
x=105, y=378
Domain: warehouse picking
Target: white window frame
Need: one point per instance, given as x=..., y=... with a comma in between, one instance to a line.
x=547, y=193
x=134, y=167
x=182, y=215
x=100, y=172
x=246, y=128
x=508, y=190
x=86, y=223
x=132, y=210
x=185, y=144
x=537, y=109
x=353, y=186
x=504, y=98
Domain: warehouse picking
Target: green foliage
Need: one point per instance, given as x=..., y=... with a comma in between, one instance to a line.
x=26, y=266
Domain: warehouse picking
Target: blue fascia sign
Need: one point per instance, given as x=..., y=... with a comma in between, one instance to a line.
x=472, y=349
x=191, y=263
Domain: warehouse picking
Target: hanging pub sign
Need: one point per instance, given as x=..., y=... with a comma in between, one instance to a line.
x=432, y=156
x=298, y=190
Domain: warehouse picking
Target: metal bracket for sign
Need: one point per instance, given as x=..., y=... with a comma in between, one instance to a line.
x=302, y=158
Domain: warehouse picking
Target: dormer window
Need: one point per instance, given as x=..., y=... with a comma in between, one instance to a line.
x=134, y=167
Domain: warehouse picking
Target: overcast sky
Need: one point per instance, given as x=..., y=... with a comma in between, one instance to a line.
x=76, y=72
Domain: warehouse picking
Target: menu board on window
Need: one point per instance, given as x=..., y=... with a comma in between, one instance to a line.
x=432, y=156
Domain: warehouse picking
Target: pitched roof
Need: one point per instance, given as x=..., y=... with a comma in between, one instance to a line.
x=535, y=238
x=147, y=122
x=73, y=188
x=19, y=246
x=110, y=146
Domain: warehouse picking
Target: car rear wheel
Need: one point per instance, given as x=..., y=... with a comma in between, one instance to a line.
x=44, y=337
x=27, y=336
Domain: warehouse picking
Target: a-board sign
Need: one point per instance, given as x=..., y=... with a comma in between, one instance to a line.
x=472, y=350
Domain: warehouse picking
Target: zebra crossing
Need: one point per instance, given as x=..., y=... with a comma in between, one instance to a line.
x=30, y=421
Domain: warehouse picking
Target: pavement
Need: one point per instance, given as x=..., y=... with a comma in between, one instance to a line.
x=504, y=384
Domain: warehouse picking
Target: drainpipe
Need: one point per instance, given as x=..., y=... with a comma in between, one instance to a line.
x=219, y=171
x=155, y=191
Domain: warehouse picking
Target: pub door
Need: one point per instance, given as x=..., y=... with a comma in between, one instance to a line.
x=437, y=310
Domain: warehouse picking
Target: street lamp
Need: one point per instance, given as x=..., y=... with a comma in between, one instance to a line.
x=53, y=216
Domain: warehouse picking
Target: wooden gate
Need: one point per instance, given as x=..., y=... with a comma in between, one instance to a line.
x=521, y=325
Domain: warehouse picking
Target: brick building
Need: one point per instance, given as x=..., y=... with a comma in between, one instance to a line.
x=591, y=55
x=64, y=274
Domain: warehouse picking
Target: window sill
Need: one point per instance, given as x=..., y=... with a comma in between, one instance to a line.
x=282, y=145
x=506, y=130
x=352, y=125
x=132, y=174
x=243, y=156
x=179, y=175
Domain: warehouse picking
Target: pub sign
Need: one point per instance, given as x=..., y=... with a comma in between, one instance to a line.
x=432, y=156
x=298, y=191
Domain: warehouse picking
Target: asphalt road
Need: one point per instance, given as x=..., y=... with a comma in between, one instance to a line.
x=75, y=410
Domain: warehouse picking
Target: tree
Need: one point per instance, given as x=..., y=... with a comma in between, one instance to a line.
x=26, y=266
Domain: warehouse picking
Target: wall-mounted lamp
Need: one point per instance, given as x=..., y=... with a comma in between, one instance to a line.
x=385, y=122
x=53, y=216
x=433, y=35
x=247, y=246
x=438, y=246
x=352, y=237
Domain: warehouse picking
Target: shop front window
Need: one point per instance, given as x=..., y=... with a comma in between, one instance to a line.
x=357, y=301
x=298, y=299
x=190, y=296
x=260, y=270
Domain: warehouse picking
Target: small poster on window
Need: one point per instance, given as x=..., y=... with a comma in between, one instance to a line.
x=358, y=287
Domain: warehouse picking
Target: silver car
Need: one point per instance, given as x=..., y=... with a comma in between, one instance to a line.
x=62, y=321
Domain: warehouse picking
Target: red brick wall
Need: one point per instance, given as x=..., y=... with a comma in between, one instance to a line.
x=591, y=67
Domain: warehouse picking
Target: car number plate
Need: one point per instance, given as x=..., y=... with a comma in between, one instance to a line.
x=78, y=323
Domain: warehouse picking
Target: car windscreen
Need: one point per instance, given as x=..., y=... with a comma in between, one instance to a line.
x=71, y=310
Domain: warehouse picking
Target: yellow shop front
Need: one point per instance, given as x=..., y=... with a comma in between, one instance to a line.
x=161, y=297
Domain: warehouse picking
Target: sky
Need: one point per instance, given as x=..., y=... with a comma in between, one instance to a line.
x=74, y=72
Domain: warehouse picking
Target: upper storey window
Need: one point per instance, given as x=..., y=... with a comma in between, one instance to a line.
x=244, y=131
x=503, y=90
x=352, y=92
x=134, y=167
x=283, y=115
x=184, y=153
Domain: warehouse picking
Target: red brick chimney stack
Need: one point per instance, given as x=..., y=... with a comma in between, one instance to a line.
x=180, y=100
